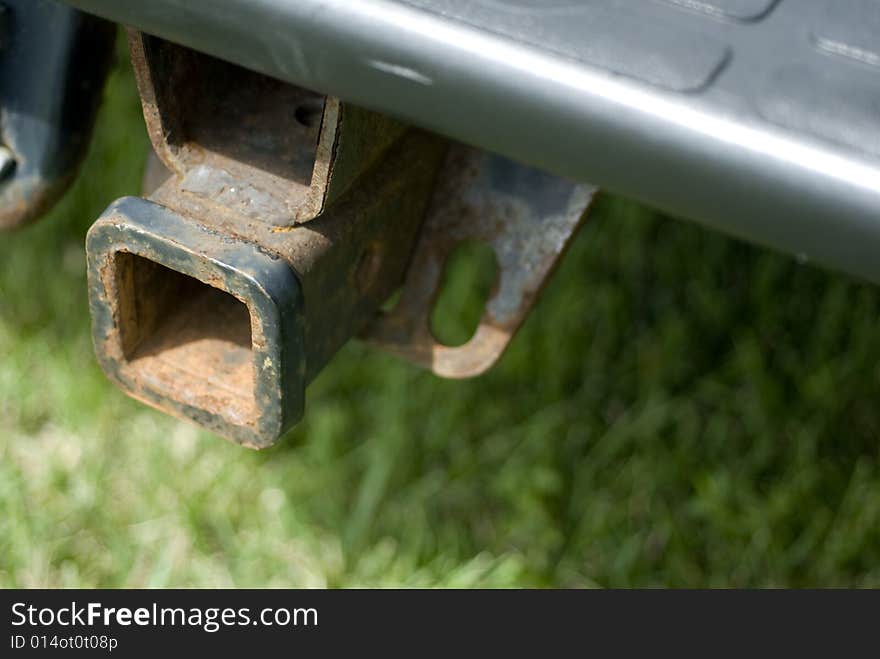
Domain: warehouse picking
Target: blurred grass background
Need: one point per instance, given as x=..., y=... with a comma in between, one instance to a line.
x=679, y=410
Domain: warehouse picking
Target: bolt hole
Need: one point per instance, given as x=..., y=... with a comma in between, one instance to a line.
x=469, y=277
x=310, y=112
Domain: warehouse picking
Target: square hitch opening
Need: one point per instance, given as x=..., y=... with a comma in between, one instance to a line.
x=200, y=325
x=186, y=338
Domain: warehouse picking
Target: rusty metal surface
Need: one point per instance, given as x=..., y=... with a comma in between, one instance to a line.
x=528, y=218
x=53, y=62
x=155, y=174
x=155, y=280
x=212, y=300
x=213, y=123
x=281, y=223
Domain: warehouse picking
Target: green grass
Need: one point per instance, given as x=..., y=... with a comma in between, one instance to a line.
x=680, y=410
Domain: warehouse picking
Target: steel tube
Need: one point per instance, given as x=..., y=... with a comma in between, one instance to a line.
x=219, y=298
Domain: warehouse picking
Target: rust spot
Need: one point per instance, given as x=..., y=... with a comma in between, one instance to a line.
x=186, y=339
x=223, y=317
x=526, y=216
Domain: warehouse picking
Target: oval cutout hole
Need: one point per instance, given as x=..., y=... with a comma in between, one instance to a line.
x=469, y=277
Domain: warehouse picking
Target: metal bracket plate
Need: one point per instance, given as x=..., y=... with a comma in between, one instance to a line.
x=528, y=218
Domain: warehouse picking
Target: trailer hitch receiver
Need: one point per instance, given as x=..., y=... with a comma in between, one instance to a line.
x=287, y=220
x=203, y=325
